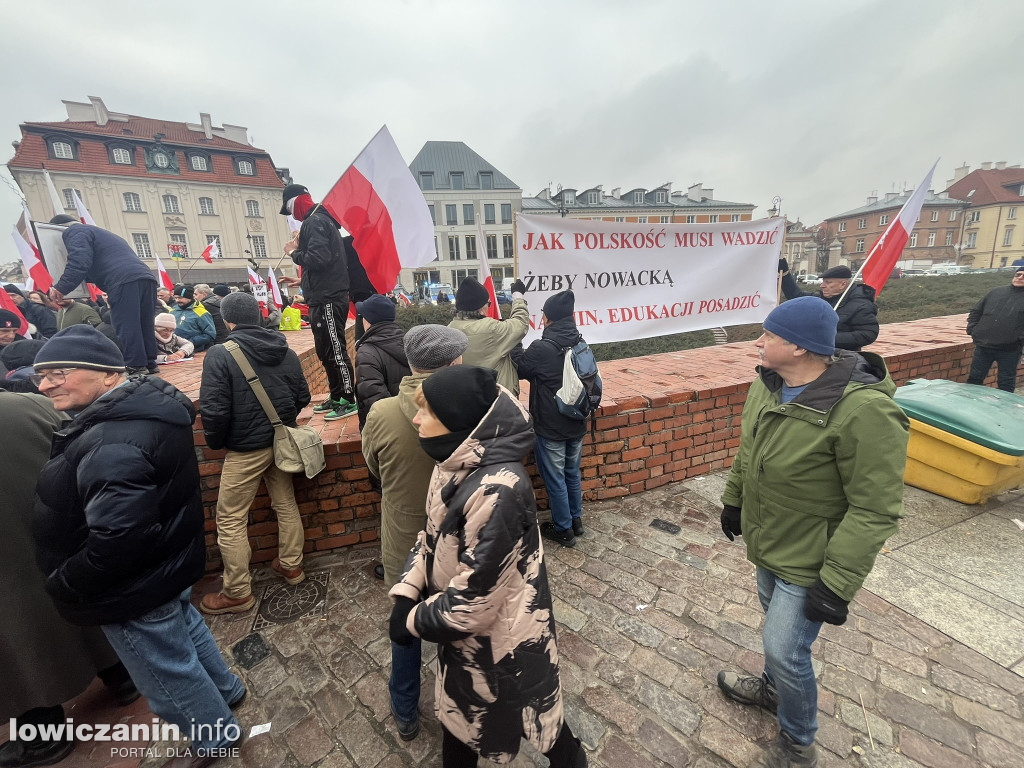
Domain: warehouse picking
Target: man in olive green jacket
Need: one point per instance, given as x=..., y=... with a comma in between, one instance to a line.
x=491, y=341
x=391, y=447
x=815, y=490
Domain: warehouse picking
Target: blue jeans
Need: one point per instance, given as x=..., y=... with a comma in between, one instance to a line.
x=404, y=683
x=787, y=637
x=559, y=464
x=177, y=666
x=1006, y=366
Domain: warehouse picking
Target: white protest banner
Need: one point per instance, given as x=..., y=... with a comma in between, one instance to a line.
x=634, y=281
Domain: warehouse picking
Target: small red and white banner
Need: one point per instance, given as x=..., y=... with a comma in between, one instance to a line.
x=165, y=279
x=55, y=201
x=211, y=252
x=275, y=290
x=6, y=302
x=83, y=212
x=884, y=254
x=634, y=281
x=176, y=251
x=378, y=201
x=34, y=266
x=485, y=271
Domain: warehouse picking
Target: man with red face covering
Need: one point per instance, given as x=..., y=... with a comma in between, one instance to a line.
x=321, y=254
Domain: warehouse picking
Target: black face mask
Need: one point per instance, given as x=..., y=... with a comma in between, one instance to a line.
x=440, y=448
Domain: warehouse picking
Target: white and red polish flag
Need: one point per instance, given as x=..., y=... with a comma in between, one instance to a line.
x=55, y=201
x=33, y=264
x=81, y=210
x=378, y=201
x=6, y=302
x=259, y=291
x=165, y=279
x=275, y=290
x=211, y=252
x=486, y=279
x=887, y=250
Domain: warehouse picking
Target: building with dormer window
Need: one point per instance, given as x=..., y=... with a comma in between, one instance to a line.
x=992, y=235
x=158, y=183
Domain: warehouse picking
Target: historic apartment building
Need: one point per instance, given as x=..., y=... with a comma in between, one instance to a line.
x=933, y=241
x=159, y=183
x=995, y=194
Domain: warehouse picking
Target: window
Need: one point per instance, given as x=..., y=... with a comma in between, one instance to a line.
x=931, y=239
x=199, y=163
x=468, y=214
x=913, y=240
x=842, y=226
x=862, y=223
x=713, y=218
x=735, y=217
x=453, y=248
x=975, y=217
x=949, y=238
x=132, y=202
x=451, y=215
x=259, y=247
x=437, y=253
x=593, y=198
x=492, y=246
x=569, y=198
x=121, y=156
x=62, y=150
x=171, y=204
x=69, y=198
x=426, y=180
x=972, y=240
x=860, y=246
x=462, y=274
x=179, y=239
x=641, y=219
x=488, y=213
x=206, y=207
x=215, y=239
x=952, y=215
x=1008, y=236
x=506, y=213
x=620, y=219
x=252, y=208
x=245, y=168
x=665, y=219
x=1011, y=213
x=458, y=180
x=1021, y=190
x=691, y=219
x=638, y=198
x=508, y=246
x=661, y=196
x=470, y=246
x=433, y=217
x=486, y=181
x=935, y=215
x=141, y=242
x=883, y=219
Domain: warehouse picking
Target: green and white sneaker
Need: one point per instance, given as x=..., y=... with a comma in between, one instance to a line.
x=326, y=406
x=342, y=408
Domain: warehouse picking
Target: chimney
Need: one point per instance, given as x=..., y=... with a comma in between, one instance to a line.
x=696, y=192
x=709, y=193
x=616, y=193
x=204, y=118
x=1001, y=165
x=100, y=109
x=544, y=194
x=986, y=166
x=872, y=199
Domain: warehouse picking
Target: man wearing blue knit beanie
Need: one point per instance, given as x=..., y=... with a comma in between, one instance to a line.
x=815, y=490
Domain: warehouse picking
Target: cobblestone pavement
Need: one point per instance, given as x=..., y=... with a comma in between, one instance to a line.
x=647, y=618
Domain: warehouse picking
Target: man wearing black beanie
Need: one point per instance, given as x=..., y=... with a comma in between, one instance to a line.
x=491, y=341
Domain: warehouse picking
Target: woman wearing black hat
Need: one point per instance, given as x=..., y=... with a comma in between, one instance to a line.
x=475, y=582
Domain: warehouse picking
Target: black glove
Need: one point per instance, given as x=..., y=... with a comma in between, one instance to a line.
x=517, y=287
x=397, y=630
x=783, y=266
x=825, y=605
x=731, y=522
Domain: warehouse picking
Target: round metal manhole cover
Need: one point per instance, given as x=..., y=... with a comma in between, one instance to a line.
x=284, y=603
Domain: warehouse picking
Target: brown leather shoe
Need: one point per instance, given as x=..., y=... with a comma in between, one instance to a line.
x=216, y=603
x=290, y=575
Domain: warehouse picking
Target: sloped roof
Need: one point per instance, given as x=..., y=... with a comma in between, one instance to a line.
x=897, y=202
x=145, y=128
x=442, y=158
x=990, y=187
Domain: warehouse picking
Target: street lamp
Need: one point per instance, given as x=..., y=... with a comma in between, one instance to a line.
x=776, y=206
x=562, y=210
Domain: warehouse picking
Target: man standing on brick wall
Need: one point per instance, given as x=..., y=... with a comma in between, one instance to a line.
x=827, y=417
x=234, y=419
x=997, y=326
x=391, y=447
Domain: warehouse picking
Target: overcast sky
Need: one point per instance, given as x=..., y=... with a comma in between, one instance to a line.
x=821, y=103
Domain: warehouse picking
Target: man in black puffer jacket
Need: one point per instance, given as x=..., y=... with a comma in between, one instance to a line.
x=858, y=321
x=380, y=354
x=234, y=419
x=559, y=441
x=119, y=530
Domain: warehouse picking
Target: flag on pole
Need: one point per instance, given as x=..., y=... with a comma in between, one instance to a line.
x=165, y=279
x=485, y=271
x=378, y=201
x=58, y=204
x=293, y=225
x=275, y=290
x=211, y=252
x=83, y=212
x=886, y=251
x=6, y=302
x=34, y=266
x=259, y=291
x=254, y=277
x=176, y=251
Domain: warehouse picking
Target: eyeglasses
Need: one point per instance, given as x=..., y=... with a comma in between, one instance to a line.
x=56, y=377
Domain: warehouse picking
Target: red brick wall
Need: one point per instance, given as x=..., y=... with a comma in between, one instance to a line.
x=664, y=418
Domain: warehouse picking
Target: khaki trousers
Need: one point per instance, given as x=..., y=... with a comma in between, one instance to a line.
x=238, y=485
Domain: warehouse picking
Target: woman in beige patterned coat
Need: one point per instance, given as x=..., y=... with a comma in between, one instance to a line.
x=475, y=582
